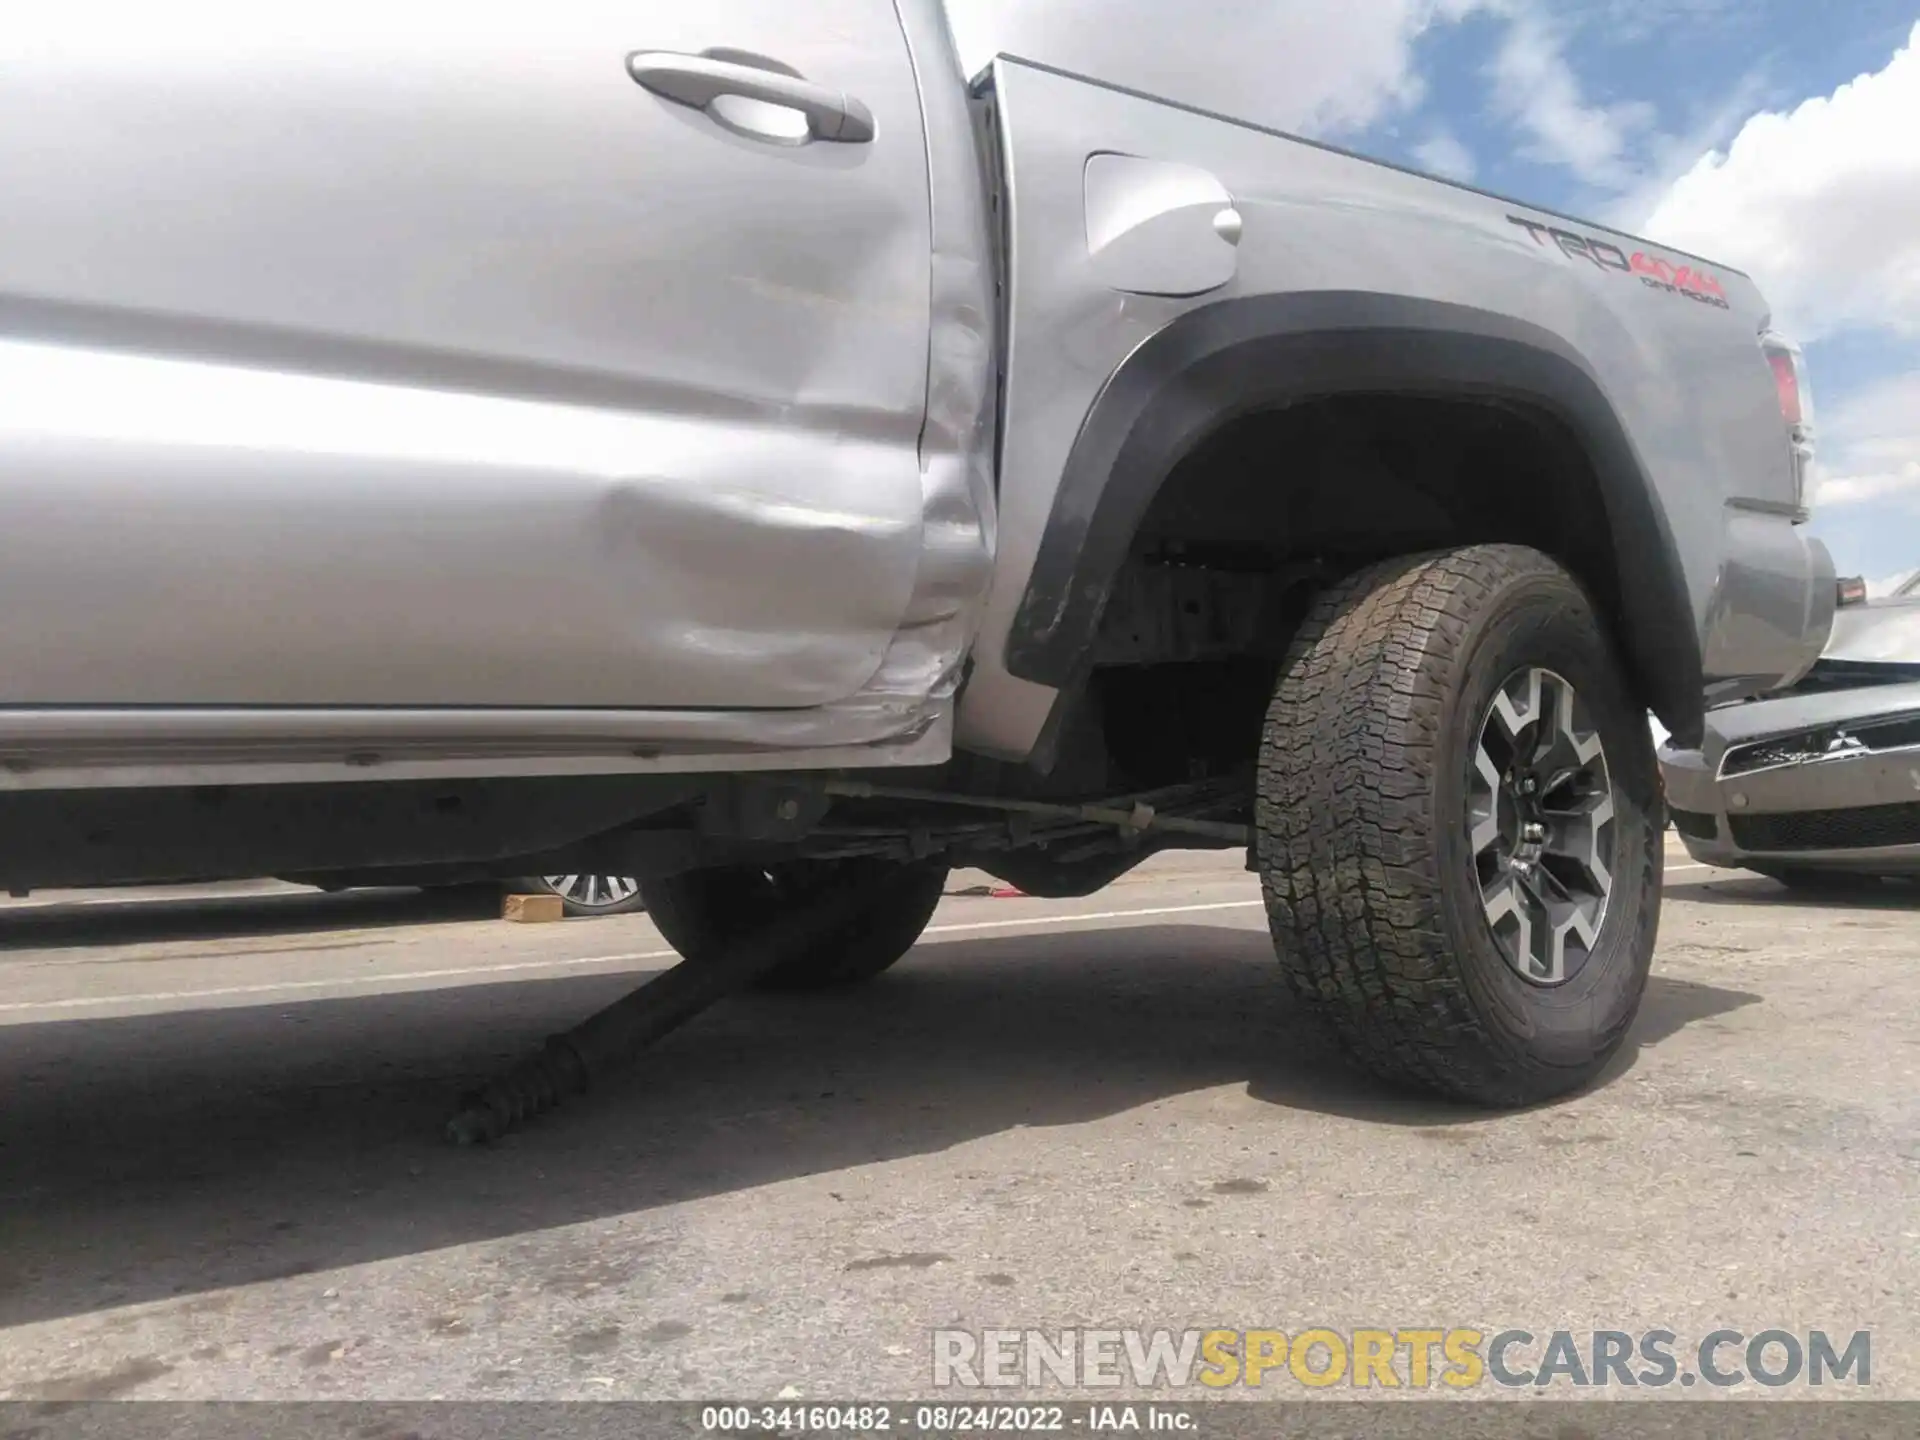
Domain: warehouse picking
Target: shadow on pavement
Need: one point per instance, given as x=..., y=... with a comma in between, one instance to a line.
x=1758, y=890
x=125, y=922
x=161, y=1156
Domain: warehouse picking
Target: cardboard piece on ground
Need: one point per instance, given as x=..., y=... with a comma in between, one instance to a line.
x=534, y=909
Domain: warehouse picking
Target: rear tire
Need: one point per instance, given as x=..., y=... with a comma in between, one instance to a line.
x=1379, y=833
x=704, y=911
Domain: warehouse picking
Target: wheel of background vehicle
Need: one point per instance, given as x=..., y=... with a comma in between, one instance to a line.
x=702, y=911
x=585, y=894
x=1823, y=882
x=1456, y=825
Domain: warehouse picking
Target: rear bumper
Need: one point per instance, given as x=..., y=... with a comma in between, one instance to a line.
x=1772, y=609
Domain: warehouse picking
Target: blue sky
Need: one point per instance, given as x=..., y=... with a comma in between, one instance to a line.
x=1672, y=82
x=1683, y=70
x=1779, y=136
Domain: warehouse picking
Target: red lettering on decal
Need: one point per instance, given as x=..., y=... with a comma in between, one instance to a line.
x=1644, y=264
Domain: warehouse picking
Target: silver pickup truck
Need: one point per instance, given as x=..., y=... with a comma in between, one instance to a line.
x=728, y=445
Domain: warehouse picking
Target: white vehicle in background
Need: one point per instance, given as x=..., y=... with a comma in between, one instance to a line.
x=1817, y=785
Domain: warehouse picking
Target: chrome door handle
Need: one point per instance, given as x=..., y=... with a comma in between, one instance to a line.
x=699, y=80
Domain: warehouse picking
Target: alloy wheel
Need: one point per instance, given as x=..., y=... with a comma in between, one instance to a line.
x=1541, y=826
x=593, y=892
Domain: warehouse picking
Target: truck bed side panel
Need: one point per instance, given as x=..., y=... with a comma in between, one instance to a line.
x=1683, y=373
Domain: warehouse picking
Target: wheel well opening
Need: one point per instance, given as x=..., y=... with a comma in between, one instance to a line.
x=1358, y=478
x=1274, y=502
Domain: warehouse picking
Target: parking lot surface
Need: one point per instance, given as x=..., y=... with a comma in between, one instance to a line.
x=221, y=1171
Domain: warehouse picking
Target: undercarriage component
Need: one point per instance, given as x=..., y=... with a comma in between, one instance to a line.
x=567, y=1064
x=1047, y=875
x=1131, y=814
x=1170, y=612
x=367, y=832
x=1051, y=848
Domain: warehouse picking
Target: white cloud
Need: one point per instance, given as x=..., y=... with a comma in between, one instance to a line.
x=1853, y=489
x=1671, y=154
x=1310, y=67
x=1869, y=446
x=1535, y=89
x=1638, y=20
x=1443, y=154
x=1820, y=204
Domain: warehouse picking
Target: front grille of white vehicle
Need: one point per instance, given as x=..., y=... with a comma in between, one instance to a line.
x=1828, y=742
x=1860, y=829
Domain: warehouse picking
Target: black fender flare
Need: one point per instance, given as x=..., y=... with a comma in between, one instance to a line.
x=1238, y=357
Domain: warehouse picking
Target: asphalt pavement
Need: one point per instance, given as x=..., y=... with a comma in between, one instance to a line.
x=222, y=1174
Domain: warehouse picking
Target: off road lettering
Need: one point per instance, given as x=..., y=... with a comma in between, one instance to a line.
x=1654, y=272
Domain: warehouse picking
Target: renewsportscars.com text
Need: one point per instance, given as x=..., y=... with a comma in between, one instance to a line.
x=1410, y=1358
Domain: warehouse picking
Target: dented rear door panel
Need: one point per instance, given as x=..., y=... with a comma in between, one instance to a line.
x=353, y=357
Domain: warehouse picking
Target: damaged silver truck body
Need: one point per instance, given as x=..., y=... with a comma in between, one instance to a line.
x=732, y=447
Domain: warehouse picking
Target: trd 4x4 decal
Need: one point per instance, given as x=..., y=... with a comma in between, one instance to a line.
x=1654, y=273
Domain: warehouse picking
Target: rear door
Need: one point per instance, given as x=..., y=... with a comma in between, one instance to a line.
x=418, y=354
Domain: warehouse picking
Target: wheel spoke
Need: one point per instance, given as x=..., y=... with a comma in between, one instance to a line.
x=1516, y=706
x=598, y=891
x=1506, y=900
x=1485, y=803
x=1520, y=923
x=1552, y=738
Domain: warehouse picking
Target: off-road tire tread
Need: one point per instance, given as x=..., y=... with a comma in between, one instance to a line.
x=1347, y=833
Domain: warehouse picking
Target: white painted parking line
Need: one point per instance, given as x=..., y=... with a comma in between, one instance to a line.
x=1012, y=921
x=587, y=962
x=467, y=972
x=337, y=982
x=138, y=896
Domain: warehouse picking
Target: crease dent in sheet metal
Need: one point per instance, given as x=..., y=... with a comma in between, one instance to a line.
x=693, y=564
x=923, y=665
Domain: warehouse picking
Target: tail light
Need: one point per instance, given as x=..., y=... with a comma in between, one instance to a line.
x=1789, y=368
